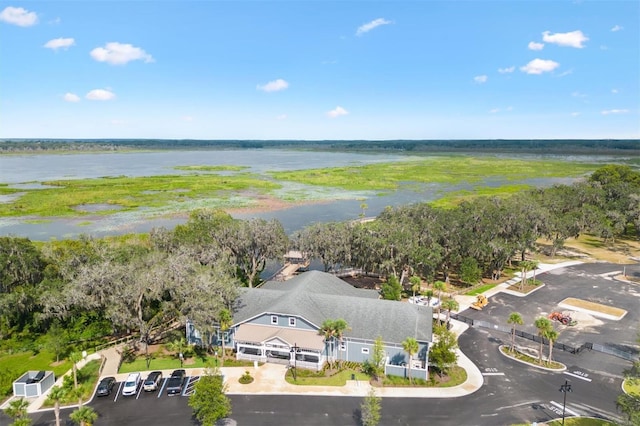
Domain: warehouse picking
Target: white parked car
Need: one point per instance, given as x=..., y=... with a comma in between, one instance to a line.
x=421, y=300
x=132, y=384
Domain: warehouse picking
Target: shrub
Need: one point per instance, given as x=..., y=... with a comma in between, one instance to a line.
x=245, y=378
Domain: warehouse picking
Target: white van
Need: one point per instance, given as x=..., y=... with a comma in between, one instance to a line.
x=132, y=384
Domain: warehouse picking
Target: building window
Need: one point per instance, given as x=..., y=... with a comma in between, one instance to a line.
x=365, y=350
x=274, y=319
x=292, y=322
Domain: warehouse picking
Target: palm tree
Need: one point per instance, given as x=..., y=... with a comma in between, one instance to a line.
x=339, y=327
x=514, y=319
x=75, y=357
x=440, y=286
x=17, y=410
x=84, y=416
x=415, y=285
x=551, y=334
x=328, y=331
x=429, y=295
x=178, y=346
x=534, y=265
x=450, y=305
x=225, y=319
x=543, y=325
x=526, y=265
x=56, y=394
x=410, y=345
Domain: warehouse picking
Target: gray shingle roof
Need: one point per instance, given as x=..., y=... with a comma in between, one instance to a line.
x=317, y=296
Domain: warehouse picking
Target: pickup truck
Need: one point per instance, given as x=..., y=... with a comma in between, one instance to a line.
x=175, y=382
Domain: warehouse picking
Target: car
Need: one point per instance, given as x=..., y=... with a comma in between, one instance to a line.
x=105, y=386
x=153, y=381
x=175, y=382
x=132, y=384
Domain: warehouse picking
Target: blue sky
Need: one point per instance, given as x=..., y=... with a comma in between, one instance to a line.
x=320, y=69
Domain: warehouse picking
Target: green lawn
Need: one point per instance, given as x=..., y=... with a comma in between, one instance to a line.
x=15, y=365
x=311, y=378
x=170, y=363
x=87, y=381
x=581, y=421
x=480, y=289
x=632, y=386
x=530, y=360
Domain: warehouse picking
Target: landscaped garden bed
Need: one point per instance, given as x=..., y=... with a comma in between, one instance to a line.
x=527, y=359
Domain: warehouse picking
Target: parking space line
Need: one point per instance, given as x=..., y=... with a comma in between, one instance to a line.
x=118, y=393
x=164, y=382
x=186, y=386
x=139, y=390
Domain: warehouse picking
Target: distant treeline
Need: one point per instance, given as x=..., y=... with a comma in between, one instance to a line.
x=565, y=146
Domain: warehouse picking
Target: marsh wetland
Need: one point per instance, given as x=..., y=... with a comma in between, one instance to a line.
x=53, y=195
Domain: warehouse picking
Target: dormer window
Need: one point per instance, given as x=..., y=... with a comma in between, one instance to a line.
x=274, y=319
x=292, y=322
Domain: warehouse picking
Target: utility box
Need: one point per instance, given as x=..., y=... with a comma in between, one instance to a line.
x=33, y=383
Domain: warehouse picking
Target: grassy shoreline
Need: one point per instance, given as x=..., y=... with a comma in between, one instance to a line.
x=236, y=188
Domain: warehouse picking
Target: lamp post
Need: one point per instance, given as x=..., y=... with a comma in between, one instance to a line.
x=294, y=351
x=564, y=389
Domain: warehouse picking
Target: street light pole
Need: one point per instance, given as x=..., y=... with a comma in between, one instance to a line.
x=564, y=389
x=294, y=350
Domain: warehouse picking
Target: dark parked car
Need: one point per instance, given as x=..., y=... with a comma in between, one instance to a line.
x=175, y=382
x=153, y=381
x=105, y=386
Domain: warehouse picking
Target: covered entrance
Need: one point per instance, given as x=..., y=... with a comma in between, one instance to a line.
x=302, y=348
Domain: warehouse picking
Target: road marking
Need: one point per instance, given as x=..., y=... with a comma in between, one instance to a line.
x=139, y=390
x=488, y=415
x=186, y=386
x=493, y=374
x=164, y=382
x=578, y=376
x=567, y=410
x=118, y=393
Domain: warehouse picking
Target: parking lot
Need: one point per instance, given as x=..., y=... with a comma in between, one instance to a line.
x=592, y=282
x=117, y=397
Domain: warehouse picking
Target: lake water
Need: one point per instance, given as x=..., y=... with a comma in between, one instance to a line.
x=28, y=171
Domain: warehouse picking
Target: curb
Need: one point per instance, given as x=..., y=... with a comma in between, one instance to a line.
x=556, y=370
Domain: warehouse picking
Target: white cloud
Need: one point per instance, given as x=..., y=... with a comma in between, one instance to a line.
x=575, y=114
x=281, y=117
x=567, y=72
x=58, y=43
x=577, y=94
x=614, y=91
x=187, y=118
x=570, y=39
x=100, y=95
x=365, y=28
x=337, y=112
x=614, y=111
x=18, y=16
x=493, y=111
x=535, y=46
x=71, y=97
x=273, y=86
x=538, y=66
x=616, y=28
x=115, y=53
x=480, y=79
x=506, y=70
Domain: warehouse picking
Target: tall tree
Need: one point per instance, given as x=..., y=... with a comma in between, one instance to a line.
x=378, y=359
x=450, y=304
x=543, y=325
x=208, y=401
x=328, y=331
x=442, y=354
x=225, y=321
x=75, y=358
x=514, y=319
x=56, y=394
x=84, y=416
x=551, y=335
x=17, y=410
x=370, y=409
x=411, y=347
x=439, y=286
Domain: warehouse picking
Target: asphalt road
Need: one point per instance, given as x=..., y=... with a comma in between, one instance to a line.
x=512, y=392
